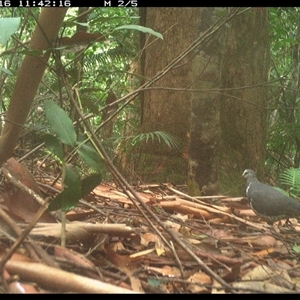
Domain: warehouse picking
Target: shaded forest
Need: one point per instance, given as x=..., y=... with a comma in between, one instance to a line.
x=124, y=135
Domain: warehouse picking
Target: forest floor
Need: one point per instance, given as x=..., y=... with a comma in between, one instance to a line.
x=171, y=243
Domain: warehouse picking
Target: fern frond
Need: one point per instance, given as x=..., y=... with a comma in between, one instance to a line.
x=291, y=178
x=168, y=139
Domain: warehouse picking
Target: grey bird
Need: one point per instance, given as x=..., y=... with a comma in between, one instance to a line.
x=268, y=202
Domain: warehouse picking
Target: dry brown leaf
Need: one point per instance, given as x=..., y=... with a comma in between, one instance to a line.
x=172, y=225
x=134, y=281
x=180, y=217
x=201, y=278
x=232, y=274
x=217, y=288
x=18, y=201
x=264, y=252
x=263, y=241
x=178, y=207
x=147, y=238
x=117, y=247
x=258, y=273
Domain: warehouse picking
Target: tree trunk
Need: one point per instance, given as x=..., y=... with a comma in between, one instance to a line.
x=221, y=134
x=244, y=99
x=205, y=116
x=167, y=109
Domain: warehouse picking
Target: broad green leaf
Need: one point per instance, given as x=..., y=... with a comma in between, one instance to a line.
x=60, y=123
x=140, y=28
x=71, y=193
x=89, y=183
x=6, y=71
x=54, y=145
x=90, y=156
x=8, y=26
x=57, y=202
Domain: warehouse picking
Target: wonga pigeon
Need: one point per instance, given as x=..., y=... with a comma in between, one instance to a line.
x=268, y=202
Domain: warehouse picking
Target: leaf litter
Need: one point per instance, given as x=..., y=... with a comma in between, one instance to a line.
x=114, y=248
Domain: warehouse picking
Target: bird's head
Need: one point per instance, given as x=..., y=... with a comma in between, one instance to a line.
x=248, y=173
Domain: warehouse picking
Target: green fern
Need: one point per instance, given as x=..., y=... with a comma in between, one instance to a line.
x=168, y=139
x=291, y=178
x=107, y=57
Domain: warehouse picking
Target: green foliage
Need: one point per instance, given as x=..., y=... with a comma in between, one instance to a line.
x=60, y=123
x=296, y=248
x=161, y=136
x=291, y=178
x=71, y=193
x=90, y=157
x=8, y=26
x=53, y=144
x=73, y=187
x=140, y=28
x=168, y=139
x=89, y=183
x=283, y=143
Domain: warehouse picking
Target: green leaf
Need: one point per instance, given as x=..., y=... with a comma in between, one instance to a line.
x=291, y=178
x=71, y=193
x=54, y=145
x=90, y=156
x=140, y=28
x=296, y=248
x=6, y=71
x=89, y=183
x=73, y=23
x=8, y=26
x=60, y=123
x=154, y=282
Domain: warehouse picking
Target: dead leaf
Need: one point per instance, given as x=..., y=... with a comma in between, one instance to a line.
x=201, y=279
x=263, y=241
x=258, y=273
x=147, y=238
x=18, y=201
